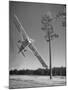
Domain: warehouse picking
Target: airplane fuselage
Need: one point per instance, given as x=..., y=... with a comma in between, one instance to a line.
x=23, y=45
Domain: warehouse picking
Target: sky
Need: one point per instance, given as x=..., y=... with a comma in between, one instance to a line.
x=30, y=15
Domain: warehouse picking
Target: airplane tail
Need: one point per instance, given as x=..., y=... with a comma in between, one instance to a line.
x=20, y=51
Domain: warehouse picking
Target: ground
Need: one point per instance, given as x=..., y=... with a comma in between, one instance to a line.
x=25, y=81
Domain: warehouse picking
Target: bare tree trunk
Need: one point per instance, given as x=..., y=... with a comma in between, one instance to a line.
x=50, y=59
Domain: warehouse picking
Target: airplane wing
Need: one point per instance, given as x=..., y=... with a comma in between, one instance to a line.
x=33, y=49
x=20, y=28
x=25, y=37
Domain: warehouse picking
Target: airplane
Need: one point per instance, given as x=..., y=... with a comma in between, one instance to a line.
x=26, y=42
x=22, y=46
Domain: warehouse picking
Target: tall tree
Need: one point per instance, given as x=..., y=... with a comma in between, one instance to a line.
x=49, y=34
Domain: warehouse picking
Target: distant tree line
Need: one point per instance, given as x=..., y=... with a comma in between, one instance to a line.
x=55, y=71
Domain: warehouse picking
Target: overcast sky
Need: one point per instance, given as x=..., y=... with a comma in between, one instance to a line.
x=30, y=15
